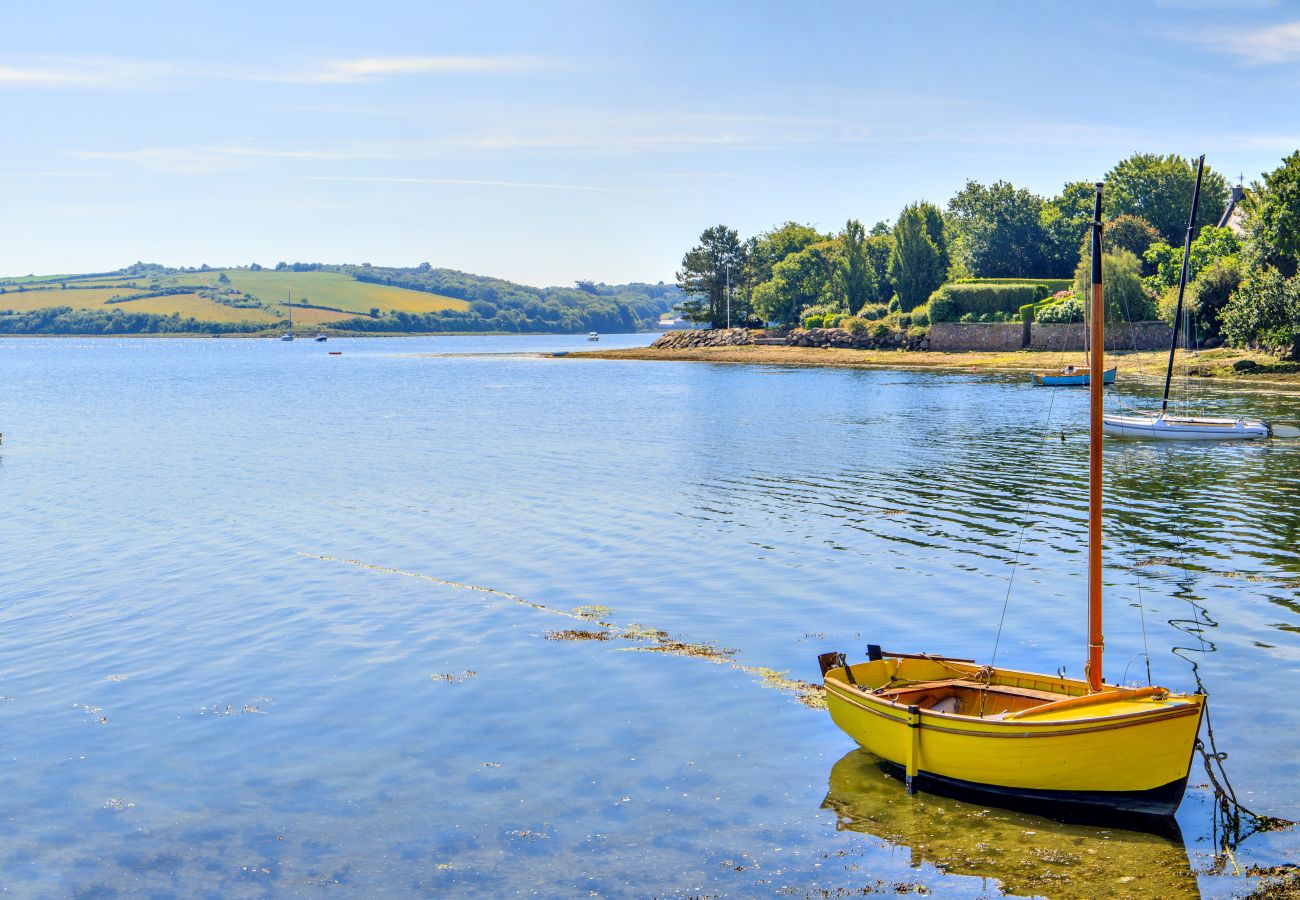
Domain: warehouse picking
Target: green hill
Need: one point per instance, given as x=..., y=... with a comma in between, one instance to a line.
x=146, y=298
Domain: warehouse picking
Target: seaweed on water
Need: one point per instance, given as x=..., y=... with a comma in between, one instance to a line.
x=654, y=640
x=576, y=634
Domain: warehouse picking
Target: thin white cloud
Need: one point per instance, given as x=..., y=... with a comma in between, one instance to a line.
x=370, y=68
x=119, y=74
x=1268, y=45
x=84, y=73
x=482, y=182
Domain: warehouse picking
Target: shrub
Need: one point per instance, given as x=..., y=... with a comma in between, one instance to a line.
x=1127, y=299
x=921, y=318
x=1070, y=310
x=1210, y=292
x=1265, y=312
x=833, y=320
x=813, y=321
x=855, y=325
x=943, y=309
x=1052, y=284
x=982, y=302
x=873, y=311
x=881, y=330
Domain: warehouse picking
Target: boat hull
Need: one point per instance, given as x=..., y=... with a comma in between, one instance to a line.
x=1080, y=379
x=1128, y=757
x=1169, y=428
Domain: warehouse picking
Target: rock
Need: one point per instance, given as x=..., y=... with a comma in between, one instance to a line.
x=1243, y=365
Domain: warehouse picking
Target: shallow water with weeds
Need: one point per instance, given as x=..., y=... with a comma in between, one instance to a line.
x=425, y=618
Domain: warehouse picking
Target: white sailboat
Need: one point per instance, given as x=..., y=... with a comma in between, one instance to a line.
x=1165, y=427
x=288, y=335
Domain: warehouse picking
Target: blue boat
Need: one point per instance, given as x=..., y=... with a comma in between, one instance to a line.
x=1071, y=375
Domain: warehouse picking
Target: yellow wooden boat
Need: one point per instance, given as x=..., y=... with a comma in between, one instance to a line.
x=1053, y=744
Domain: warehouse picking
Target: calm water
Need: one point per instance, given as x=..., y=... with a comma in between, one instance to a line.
x=195, y=701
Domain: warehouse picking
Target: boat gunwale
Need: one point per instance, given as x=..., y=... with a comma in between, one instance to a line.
x=1184, y=706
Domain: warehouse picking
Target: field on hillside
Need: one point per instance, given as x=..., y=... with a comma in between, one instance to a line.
x=271, y=288
x=194, y=306
x=89, y=298
x=330, y=289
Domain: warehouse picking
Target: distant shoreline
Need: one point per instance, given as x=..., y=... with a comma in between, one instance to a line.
x=1215, y=365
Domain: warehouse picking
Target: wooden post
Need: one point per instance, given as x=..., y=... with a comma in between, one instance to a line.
x=1096, y=379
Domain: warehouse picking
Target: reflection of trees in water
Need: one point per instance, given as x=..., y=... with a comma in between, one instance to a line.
x=1026, y=854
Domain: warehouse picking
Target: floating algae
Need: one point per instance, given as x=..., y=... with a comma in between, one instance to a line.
x=656, y=640
x=453, y=678
x=576, y=634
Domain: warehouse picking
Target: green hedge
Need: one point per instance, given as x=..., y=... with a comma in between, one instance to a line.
x=1053, y=285
x=957, y=299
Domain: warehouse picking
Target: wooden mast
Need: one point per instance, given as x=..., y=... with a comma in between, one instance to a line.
x=1096, y=379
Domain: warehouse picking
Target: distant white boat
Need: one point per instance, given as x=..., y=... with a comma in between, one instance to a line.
x=288, y=335
x=321, y=337
x=1185, y=428
x=593, y=336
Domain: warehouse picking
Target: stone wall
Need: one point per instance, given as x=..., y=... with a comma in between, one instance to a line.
x=1120, y=336
x=706, y=337
x=952, y=336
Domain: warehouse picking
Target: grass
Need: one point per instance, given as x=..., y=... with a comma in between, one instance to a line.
x=327, y=289
x=197, y=307
x=91, y=298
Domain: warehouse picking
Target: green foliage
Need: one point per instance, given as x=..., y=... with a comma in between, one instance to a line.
x=1069, y=310
x=1126, y=298
x=1167, y=262
x=856, y=275
x=1265, y=312
x=917, y=265
x=983, y=302
x=1128, y=232
x=921, y=316
x=1273, y=219
x=873, y=311
x=1206, y=297
x=798, y=282
x=706, y=272
x=1001, y=229
x=855, y=325
x=1051, y=284
x=66, y=320
x=880, y=247
x=1159, y=189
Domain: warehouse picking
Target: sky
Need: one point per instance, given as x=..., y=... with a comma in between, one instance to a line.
x=550, y=142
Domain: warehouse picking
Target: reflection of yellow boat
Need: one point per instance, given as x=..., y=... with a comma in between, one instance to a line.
x=1019, y=738
x=1026, y=854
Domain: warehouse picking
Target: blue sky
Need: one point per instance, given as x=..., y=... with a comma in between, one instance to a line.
x=546, y=142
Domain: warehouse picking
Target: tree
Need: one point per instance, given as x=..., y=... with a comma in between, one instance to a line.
x=1126, y=298
x=770, y=247
x=1131, y=233
x=916, y=265
x=1001, y=229
x=880, y=247
x=1273, y=219
x=856, y=275
x=704, y=276
x=1167, y=262
x=800, y=280
x=1265, y=312
x=1159, y=189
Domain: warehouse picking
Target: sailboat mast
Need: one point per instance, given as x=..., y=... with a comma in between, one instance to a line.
x=1182, y=282
x=1096, y=377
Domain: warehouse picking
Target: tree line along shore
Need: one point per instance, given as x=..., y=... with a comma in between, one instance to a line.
x=340, y=299
x=999, y=253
